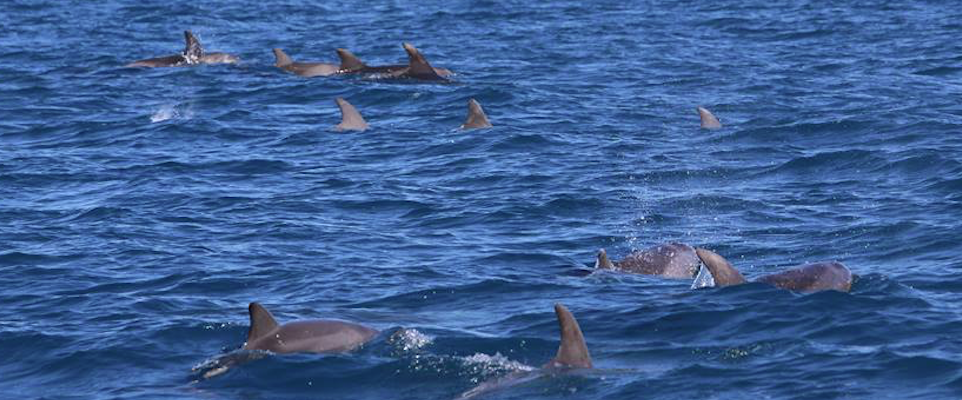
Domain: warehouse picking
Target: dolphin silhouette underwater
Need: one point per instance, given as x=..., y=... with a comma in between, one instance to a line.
x=193, y=54
x=828, y=275
x=572, y=355
x=669, y=260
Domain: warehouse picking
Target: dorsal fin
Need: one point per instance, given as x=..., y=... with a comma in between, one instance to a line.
x=708, y=120
x=418, y=66
x=350, y=62
x=721, y=270
x=602, y=261
x=192, y=49
x=572, y=353
x=476, y=117
x=262, y=322
x=282, y=59
x=351, y=120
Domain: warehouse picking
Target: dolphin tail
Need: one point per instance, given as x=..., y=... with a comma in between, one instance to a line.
x=351, y=120
x=572, y=353
x=349, y=62
x=602, y=261
x=723, y=273
x=283, y=59
x=193, y=50
x=418, y=66
x=262, y=322
x=708, y=120
x=476, y=117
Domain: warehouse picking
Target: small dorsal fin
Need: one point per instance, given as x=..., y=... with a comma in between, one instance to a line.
x=349, y=62
x=282, y=59
x=262, y=322
x=351, y=120
x=572, y=353
x=602, y=261
x=476, y=117
x=193, y=51
x=722, y=272
x=708, y=120
x=418, y=66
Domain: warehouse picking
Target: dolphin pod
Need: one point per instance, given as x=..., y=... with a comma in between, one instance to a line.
x=193, y=54
x=814, y=277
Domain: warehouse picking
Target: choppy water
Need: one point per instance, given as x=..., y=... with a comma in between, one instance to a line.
x=143, y=209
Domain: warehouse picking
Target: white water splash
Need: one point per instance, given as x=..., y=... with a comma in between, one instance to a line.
x=409, y=340
x=170, y=111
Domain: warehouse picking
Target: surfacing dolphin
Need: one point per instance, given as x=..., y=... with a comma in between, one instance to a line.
x=830, y=275
x=708, y=120
x=669, y=260
x=572, y=354
x=351, y=119
x=305, y=69
x=351, y=64
x=476, y=117
x=193, y=54
x=307, y=336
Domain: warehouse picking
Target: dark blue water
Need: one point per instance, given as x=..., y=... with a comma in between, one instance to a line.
x=141, y=210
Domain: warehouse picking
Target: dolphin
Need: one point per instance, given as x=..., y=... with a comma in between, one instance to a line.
x=193, y=54
x=305, y=69
x=572, y=355
x=669, y=260
x=829, y=275
x=476, y=117
x=351, y=120
x=708, y=120
x=351, y=64
x=308, y=336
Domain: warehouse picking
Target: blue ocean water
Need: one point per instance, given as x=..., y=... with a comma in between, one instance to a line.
x=142, y=210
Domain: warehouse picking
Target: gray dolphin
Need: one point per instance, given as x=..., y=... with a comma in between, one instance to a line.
x=830, y=275
x=311, y=336
x=305, y=69
x=476, y=117
x=351, y=64
x=351, y=120
x=572, y=354
x=708, y=120
x=669, y=260
x=193, y=54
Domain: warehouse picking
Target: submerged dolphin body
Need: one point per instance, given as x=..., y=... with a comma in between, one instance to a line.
x=815, y=277
x=572, y=354
x=305, y=69
x=416, y=68
x=669, y=260
x=193, y=54
x=476, y=117
x=351, y=119
x=310, y=336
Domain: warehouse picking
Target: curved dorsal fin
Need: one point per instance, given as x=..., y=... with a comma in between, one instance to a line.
x=572, y=353
x=351, y=120
x=602, y=261
x=192, y=50
x=349, y=62
x=418, y=66
x=283, y=59
x=476, y=117
x=708, y=120
x=262, y=322
x=721, y=270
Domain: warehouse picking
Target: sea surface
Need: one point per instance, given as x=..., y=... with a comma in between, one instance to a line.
x=141, y=210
